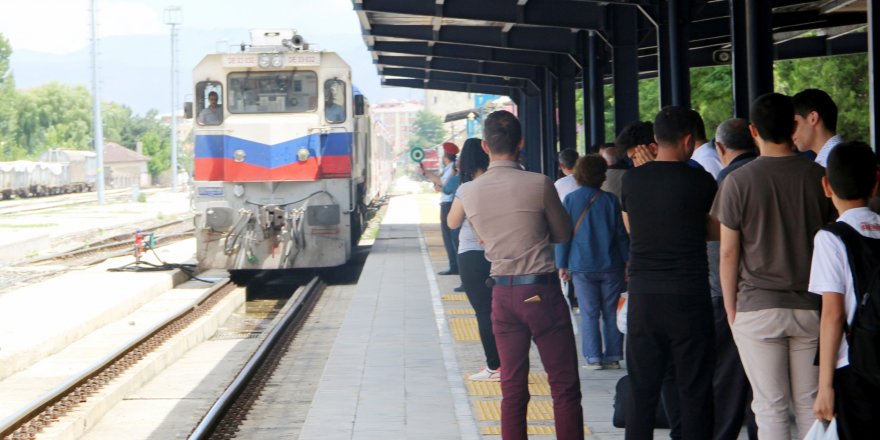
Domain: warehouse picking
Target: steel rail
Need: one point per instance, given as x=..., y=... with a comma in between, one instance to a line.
x=51, y=405
x=116, y=241
x=291, y=318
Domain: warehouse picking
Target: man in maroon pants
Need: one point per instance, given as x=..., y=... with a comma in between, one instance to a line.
x=517, y=214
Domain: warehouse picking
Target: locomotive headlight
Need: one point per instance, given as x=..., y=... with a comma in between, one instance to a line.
x=302, y=154
x=264, y=61
x=238, y=190
x=277, y=60
x=238, y=155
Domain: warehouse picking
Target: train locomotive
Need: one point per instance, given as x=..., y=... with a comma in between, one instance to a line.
x=284, y=168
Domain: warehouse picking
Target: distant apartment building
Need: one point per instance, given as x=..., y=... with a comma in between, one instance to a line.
x=443, y=103
x=396, y=118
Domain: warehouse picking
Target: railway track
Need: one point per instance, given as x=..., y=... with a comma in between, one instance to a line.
x=227, y=413
x=29, y=421
x=38, y=268
x=114, y=246
x=21, y=206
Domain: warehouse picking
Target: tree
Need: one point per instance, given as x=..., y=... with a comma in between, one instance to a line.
x=53, y=115
x=428, y=130
x=117, y=124
x=844, y=77
x=9, y=149
x=158, y=148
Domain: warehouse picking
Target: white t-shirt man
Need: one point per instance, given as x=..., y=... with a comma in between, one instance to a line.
x=566, y=185
x=830, y=271
x=708, y=158
x=822, y=157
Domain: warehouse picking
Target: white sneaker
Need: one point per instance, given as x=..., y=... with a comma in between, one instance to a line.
x=487, y=375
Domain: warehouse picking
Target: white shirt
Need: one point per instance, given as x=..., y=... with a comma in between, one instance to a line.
x=566, y=185
x=467, y=239
x=708, y=158
x=830, y=271
x=822, y=157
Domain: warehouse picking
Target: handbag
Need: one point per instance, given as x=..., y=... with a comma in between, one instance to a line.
x=822, y=430
x=584, y=212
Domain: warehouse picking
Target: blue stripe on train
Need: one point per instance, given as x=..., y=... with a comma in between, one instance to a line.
x=272, y=156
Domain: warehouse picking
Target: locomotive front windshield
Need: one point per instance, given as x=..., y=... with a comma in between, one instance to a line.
x=272, y=92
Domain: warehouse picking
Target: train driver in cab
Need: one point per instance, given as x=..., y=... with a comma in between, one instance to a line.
x=212, y=114
x=334, y=111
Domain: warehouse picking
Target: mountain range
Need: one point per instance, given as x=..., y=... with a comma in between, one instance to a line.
x=136, y=70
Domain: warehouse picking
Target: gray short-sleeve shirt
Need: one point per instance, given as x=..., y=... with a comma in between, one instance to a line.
x=777, y=204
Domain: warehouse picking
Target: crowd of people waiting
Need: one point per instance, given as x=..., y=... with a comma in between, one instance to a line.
x=728, y=249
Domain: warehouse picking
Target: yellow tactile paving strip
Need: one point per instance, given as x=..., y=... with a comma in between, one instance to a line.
x=530, y=430
x=493, y=389
x=464, y=329
x=486, y=396
x=491, y=410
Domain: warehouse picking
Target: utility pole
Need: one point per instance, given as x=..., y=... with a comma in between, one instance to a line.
x=173, y=17
x=97, y=123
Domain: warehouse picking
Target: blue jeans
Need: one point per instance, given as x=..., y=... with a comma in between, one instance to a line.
x=598, y=293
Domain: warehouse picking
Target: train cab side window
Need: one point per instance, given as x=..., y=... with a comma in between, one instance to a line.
x=334, y=101
x=210, y=103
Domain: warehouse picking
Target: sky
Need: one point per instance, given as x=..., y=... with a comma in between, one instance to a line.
x=62, y=27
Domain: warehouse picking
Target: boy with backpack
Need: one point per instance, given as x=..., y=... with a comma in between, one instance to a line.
x=846, y=272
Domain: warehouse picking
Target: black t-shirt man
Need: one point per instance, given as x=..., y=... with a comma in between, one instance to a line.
x=667, y=204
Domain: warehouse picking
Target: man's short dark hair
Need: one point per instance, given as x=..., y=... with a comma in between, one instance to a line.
x=590, y=171
x=852, y=170
x=213, y=93
x=815, y=100
x=502, y=132
x=734, y=134
x=568, y=157
x=673, y=123
x=636, y=133
x=772, y=114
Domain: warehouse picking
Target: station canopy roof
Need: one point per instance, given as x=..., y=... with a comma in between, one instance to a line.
x=494, y=46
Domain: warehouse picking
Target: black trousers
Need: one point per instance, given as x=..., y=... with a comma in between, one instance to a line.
x=474, y=270
x=857, y=406
x=733, y=393
x=450, y=237
x=680, y=328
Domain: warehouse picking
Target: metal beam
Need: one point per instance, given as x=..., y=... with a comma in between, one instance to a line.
x=626, y=69
x=567, y=111
x=548, y=123
x=530, y=117
x=450, y=86
x=596, y=95
x=521, y=37
x=464, y=51
x=451, y=77
x=739, y=60
x=759, y=40
x=874, y=72
x=570, y=15
x=791, y=49
x=462, y=66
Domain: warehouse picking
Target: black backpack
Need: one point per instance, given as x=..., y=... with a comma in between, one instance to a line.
x=863, y=336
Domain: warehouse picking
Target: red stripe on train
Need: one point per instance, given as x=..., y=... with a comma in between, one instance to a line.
x=231, y=171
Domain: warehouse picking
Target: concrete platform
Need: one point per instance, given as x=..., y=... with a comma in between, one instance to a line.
x=398, y=368
x=53, y=330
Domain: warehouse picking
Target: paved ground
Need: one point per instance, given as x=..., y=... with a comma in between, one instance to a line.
x=28, y=234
